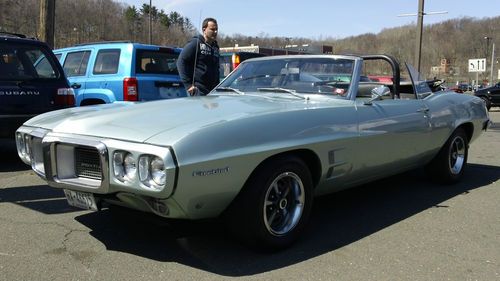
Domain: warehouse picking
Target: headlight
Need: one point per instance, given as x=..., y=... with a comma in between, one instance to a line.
x=144, y=168
x=124, y=166
x=152, y=171
x=21, y=148
x=158, y=173
x=23, y=144
x=27, y=144
x=130, y=166
x=118, y=169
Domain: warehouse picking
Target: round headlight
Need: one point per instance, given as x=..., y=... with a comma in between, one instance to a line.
x=158, y=173
x=130, y=166
x=118, y=169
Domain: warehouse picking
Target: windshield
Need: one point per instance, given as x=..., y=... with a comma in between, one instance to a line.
x=311, y=75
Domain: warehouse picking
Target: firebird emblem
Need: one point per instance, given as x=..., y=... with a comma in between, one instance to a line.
x=210, y=172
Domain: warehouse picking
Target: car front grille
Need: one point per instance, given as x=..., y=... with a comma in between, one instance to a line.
x=87, y=163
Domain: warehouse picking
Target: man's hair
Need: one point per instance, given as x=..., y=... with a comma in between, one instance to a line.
x=205, y=22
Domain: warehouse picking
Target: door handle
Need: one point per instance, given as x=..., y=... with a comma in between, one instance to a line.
x=76, y=86
x=423, y=109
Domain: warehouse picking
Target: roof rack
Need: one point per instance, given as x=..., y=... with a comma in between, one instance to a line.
x=13, y=34
x=104, y=42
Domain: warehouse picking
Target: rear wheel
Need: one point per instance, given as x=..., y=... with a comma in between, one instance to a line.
x=273, y=208
x=449, y=165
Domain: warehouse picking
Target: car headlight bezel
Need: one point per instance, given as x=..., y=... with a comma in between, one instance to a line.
x=23, y=145
x=29, y=147
x=153, y=168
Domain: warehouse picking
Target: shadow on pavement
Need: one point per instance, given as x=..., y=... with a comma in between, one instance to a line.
x=10, y=162
x=337, y=220
x=40, y=198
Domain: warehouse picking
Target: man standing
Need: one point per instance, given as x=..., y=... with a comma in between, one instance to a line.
x=198, y=63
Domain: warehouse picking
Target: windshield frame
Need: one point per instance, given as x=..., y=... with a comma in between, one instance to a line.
x=297, y=65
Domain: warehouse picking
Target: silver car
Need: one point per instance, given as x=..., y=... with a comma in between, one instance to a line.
x=274, y=134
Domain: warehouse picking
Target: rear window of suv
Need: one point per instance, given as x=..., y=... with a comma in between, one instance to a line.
x=107, y=61
x=156, y=62
x=24, y=62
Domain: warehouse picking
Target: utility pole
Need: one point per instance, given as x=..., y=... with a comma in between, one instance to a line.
x=150, y=23
x=487, y=38
x=47, y=21
x=420, y=26
x=492, y=63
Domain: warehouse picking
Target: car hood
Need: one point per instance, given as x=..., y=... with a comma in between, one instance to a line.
x=179, y=117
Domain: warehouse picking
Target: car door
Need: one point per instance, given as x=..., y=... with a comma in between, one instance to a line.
x=75, y=67
x=106, y=78
x=395, y=134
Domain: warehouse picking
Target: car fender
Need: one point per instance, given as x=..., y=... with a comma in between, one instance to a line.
x=105, y=95
x=222, y=166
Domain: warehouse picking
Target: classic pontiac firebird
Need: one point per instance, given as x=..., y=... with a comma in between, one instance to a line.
x=274, y=134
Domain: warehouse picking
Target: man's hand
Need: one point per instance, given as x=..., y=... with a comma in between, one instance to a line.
x=193, y=91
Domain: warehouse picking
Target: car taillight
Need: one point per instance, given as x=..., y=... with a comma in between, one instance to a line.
x=65, y=96
x=130, y=92
x=236, y=60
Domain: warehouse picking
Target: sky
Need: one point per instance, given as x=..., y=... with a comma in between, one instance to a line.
x=319, y=19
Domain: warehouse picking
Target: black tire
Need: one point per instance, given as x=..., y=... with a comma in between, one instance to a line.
x=274, y=206
x=449, y=164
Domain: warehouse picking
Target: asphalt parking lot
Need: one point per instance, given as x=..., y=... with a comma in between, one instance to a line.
x=401, y=228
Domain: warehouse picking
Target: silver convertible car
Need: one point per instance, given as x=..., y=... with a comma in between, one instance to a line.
x=274, y=134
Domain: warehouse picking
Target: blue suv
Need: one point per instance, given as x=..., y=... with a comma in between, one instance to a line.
x=106, y=72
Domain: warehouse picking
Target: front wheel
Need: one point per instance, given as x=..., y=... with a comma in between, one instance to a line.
x=449, y=164
x=273, y=208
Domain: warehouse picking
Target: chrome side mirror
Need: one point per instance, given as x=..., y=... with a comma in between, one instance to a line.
x=378, y=93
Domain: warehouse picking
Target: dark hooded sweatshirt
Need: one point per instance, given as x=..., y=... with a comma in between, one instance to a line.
x=206, y=76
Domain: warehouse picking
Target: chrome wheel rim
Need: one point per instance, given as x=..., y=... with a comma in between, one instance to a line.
x=457, y=155
x=284, y=203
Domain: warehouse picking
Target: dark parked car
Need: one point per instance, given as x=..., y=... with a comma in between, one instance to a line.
x=31, y=82
x=461, y=88
x=490, y=95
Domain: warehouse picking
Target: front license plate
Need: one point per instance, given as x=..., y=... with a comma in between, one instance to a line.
x=81, y=200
